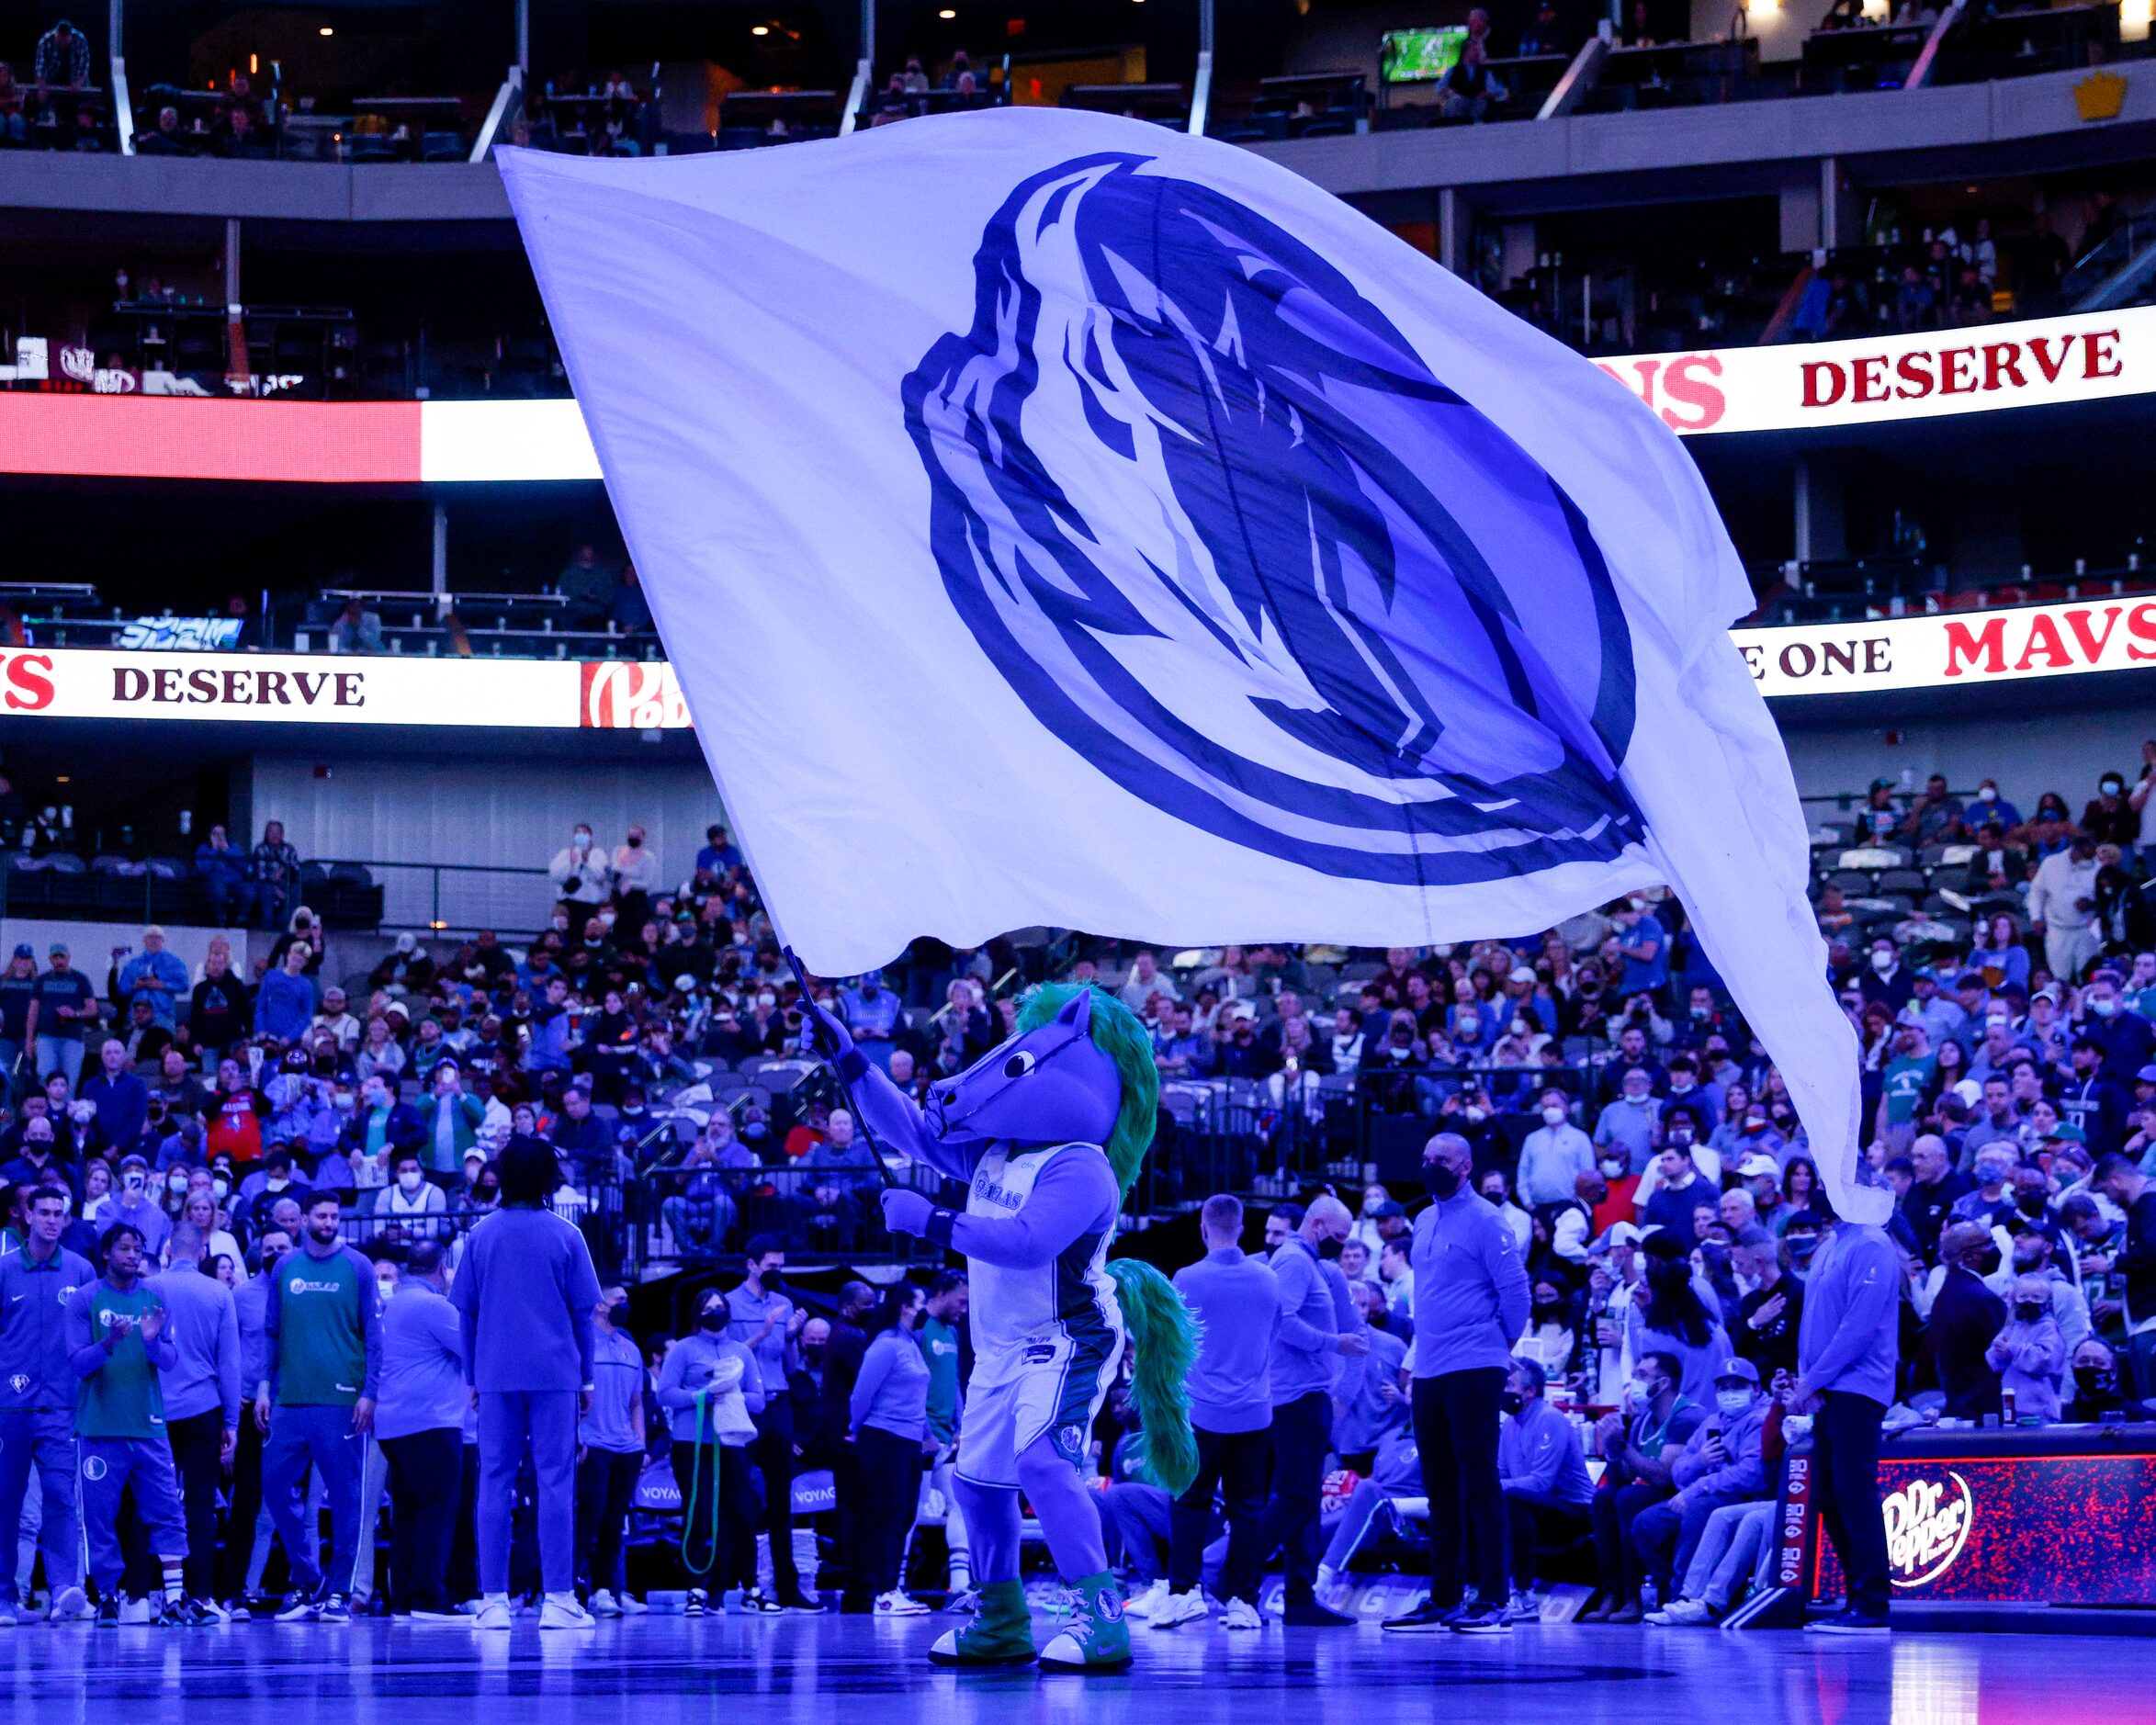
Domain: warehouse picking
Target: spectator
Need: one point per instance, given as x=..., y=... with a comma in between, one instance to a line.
x=1631, y=1124
x=220, y=1009
x=637, y=876
x=2061, y=906
x=356, y=630
x=1543, y=1473
x=1771, y=1313
x=2030, y=1352
x=411, y=1203
x=1721, y=1464
x=587, y=588
x=62, y=1006
x=121, y=1102
x=1554, y=1156
x=1965, y=1318
x=1639, y=1444
x=152, y=974
x=284, y=1005
x=274, y=868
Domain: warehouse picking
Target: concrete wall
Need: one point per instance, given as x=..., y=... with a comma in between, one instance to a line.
x=480, y=813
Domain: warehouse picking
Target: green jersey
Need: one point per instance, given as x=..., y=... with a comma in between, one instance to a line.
x=324, y=1330
x=938, y=1343
x=121, y=1397
x=1907, y=1078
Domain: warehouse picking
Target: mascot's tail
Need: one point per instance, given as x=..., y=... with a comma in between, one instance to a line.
x=1164, y=1338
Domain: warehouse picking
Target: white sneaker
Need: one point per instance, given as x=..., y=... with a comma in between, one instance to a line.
x=1240, y=1614
x=71, y=1605
x=1525, y=1607
x=1147, y=1599
x=134, y=1610
x=494, y=1613
x=603, y=1604
x=9, y=1619
x=1191, y=1607
x=897, y=1605
x=1686, y=1613
x=565, y=1611
x=632, y=1607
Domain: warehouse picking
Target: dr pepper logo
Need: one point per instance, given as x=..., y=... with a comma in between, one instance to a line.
x=1927, y=1525
x=630, y=695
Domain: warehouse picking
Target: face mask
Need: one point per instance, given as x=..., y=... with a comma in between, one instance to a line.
x=1680, y=1134
x=2105, y=1008
x=1441, y=1180
x=220, y=1186
x=2111, y=787
x=1734, y=1403
x=1474, y=1112
x=1681, y=1087
x=410, y=1180
x=388, y=1289
x=1553, y=1116
x=1511, y=1400
x=2097, y=1380
x=1987, y=794
x=1882, y=961
x=1637, y=1102
x=2028, y=1310
x=177, y=1183
x=1638, y=1396
x=1612, y=1167
x=1803, y=1246
x=582, y=837
x=712, y=1319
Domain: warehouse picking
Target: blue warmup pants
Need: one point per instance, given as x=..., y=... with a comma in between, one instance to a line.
x=547, y=1420
x=110, y=1466
x=324, y=1437
x=47, y=1439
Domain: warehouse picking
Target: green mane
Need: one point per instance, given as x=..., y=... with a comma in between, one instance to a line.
x=1117, y=1033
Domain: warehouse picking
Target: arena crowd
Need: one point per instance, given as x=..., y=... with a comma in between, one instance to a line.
x=271, y=1204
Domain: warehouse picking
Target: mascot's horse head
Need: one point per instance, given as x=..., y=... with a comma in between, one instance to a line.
x=1079, y=1070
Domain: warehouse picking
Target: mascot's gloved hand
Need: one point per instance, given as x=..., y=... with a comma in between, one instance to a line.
x=906, y=1212
x=836, y=1041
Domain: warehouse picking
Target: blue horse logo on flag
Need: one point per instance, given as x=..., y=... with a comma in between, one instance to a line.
x=1211, y=517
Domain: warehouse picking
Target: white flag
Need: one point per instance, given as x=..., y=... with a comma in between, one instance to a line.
x=1054, y=519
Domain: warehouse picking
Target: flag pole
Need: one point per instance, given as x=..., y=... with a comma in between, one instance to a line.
x=829, y=1053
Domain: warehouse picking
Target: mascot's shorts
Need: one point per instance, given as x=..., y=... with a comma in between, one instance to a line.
x=1053, y=1384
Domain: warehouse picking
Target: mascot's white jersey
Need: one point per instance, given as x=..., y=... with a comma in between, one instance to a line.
x=1070, y=1299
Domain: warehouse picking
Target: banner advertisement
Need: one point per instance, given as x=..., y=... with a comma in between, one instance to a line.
x=112, y=431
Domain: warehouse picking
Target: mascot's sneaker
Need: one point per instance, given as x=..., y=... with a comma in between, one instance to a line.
x=1097, y=1641
x=1002, y=1632
x=1188, y=1608
x=1147, y=1600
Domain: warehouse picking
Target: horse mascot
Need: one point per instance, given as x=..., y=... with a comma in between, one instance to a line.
x=1048, y=1131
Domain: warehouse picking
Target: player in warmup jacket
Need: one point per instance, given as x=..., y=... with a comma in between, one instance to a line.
x=36, y=1403
x=117, y=1343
